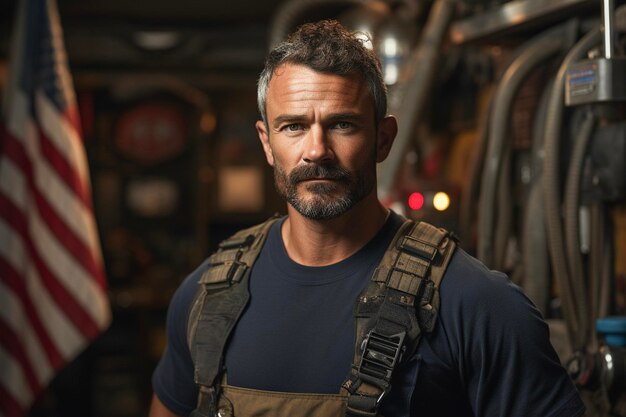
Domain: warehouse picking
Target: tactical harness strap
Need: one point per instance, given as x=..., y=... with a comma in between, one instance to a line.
x=221, y=299
x=389, y=320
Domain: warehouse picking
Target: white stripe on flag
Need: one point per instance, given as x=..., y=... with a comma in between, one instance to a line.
x=12, y=313
x=68, y=272
x=62, y=134
x=60, y=329
x=13, y=380
x=63, y=334
x=12, y=183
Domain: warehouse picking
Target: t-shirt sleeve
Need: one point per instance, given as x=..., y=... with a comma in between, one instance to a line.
x=506, y=362
x=172, y=380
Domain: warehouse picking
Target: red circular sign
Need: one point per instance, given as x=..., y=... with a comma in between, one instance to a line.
x=150, y=133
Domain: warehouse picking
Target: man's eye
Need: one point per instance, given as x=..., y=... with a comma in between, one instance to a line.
x=343, y=125
x=293, y=127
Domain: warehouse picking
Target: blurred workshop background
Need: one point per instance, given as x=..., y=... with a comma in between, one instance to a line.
x=512, y=135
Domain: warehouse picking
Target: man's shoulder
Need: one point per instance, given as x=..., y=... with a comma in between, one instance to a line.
x=471, y=291
x=258, y=230
x=188, y=289
x=485, y=304
x=469, y=277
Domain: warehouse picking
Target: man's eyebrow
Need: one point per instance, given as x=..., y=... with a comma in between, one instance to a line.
x=350, y=117
x=291, y=118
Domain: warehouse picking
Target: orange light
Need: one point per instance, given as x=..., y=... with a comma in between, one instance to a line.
x=441, y=201
x=416, y=201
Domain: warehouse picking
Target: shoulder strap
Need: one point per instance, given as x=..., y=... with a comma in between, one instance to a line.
x=400, y=302
x=222, y=296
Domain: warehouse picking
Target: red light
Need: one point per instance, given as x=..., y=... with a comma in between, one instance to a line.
x=416, y=201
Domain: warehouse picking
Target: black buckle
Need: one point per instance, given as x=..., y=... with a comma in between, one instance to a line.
x=381, y=354
x=235, y=243
x=235, y=272
x=419, y=247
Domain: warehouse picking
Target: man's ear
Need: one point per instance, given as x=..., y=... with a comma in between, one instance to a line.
x=387, y=130
x=265, y=141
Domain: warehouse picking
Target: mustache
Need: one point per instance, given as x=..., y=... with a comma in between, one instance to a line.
x=313, y=171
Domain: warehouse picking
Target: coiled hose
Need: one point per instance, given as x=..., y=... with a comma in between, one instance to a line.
x=571, y=204
x=600, y=260
x=535, y=259
x=533, y=54
x=571, y=291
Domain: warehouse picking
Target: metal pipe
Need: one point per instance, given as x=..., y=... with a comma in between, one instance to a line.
x=423, y=65
x=293, y=12
x=609, y=27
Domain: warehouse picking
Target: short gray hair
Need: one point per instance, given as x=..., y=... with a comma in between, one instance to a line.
x=326, y=46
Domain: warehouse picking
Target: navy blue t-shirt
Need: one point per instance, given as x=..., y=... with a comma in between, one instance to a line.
x=488, y=356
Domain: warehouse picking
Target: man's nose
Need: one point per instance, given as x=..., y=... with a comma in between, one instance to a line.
x=317, y=147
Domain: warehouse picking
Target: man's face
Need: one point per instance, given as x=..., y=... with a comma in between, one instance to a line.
x=321, y=140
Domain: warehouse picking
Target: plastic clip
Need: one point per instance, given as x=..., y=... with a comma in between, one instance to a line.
x=381, y=354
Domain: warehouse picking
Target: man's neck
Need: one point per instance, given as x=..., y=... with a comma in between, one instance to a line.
x=325, y=242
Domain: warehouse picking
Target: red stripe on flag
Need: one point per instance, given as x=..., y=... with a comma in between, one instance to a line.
x=9, y=407
x=65, y=170
x=15, y=282
x=14, y=148
x=71, y=243
x=75, y=246
x=15, y=348
x=65, y=300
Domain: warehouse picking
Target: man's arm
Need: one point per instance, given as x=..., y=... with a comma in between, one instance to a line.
x=157, y=409
x=508, y=366
x=176, y=393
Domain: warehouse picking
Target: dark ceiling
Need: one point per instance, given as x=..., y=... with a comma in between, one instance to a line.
x=221, y=41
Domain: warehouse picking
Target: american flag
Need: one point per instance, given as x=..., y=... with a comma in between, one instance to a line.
x=53, y=298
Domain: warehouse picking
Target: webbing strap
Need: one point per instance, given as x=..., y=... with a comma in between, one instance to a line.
x=386, y=319
x=222, y=297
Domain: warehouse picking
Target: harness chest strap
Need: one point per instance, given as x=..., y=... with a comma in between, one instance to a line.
x=401, y=301
x=221, y=298
x=387, y=326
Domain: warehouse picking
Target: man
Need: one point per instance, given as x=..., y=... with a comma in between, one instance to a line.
x=324, y=128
